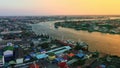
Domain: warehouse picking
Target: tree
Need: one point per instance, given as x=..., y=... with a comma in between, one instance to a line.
x=96, y=54
x=32, y=44
x=51, y=54
x=78, y=47
x=79, y=62
x=44, y=45
x=111, y=66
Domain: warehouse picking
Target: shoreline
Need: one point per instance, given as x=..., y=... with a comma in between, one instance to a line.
x=102, y=53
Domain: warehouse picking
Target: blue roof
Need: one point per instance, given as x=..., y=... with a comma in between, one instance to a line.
x=27, y=58
x=32, y=54
x=103, y=66
x=80, y=55
x=40, y=56
x=59, y=59
x=41, y=50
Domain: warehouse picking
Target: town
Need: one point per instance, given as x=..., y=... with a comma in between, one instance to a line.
x=20, y=47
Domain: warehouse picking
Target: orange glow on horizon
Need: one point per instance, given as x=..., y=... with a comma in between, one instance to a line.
x=75, y=7
x=62, y=7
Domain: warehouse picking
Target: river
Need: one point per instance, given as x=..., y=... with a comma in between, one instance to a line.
x=102, y=42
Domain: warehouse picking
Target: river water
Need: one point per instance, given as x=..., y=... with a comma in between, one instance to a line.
x=102, y=42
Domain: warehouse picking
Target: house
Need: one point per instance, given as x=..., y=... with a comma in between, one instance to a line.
x=60, y=50
x=63, y=65
x=27, y=58
x=8, y=53
x=32, y=54
x=19, y=60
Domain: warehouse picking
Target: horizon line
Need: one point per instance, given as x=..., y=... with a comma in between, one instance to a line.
x=67, y=15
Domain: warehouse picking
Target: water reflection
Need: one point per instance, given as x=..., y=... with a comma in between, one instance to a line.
x=103, y=42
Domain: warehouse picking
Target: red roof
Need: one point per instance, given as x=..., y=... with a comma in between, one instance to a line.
x=34, y=66
x=63, y=65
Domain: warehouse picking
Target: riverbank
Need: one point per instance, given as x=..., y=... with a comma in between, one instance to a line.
x=105, y=43
x=103, y=26
x=103, y=60
x=44, y=46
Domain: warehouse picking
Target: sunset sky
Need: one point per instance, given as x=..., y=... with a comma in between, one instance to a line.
x=59, y=7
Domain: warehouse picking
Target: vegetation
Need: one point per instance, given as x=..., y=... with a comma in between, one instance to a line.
x=78, y=47
x=79, y=62
x=8, y=48
x=104, y=26
x=51, y=54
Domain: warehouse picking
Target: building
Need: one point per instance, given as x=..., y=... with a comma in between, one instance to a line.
x=8, y=53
